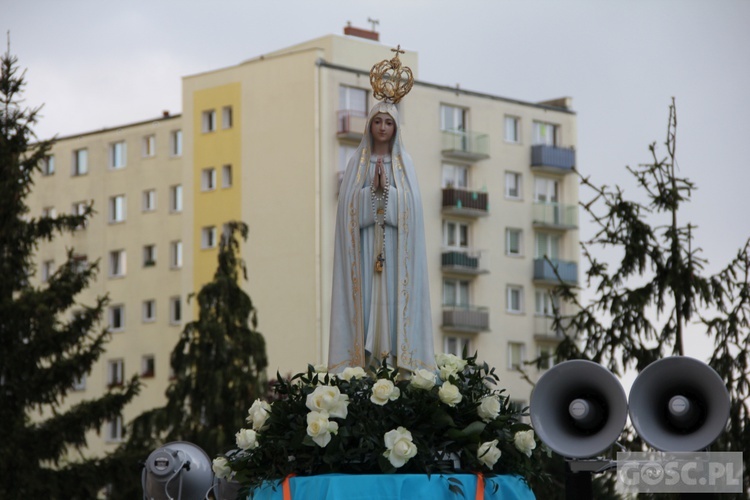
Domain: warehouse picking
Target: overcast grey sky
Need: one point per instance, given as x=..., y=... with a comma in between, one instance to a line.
x=103, y=63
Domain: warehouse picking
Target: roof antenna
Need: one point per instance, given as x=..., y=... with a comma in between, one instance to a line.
x=374, y=22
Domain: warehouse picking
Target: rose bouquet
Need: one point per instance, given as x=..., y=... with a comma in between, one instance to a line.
x=379, y=421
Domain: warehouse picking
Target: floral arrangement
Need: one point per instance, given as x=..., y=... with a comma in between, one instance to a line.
x=378, y=421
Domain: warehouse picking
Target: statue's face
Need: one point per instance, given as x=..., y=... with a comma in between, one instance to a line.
x=382, y=128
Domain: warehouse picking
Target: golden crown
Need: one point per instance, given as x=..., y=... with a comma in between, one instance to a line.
x=390, y=81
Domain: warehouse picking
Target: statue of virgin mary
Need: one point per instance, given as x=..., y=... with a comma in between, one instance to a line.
x=380, y=308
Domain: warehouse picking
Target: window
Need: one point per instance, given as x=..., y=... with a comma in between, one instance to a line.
x=115, y=372
x=116, y=317
x=148, y=366
x=175, y=255
x=80, y=162
x=513, y=242
x=512, y=129
x=455, y=176
x=149, y=255
x=149, y=146
x=80, y=263
x=353, y=99
x=114, y=429
x=546, y=245
x=79, y=384
x=513, y=185
x=175, y=310
x=79, y=208
x=452, y=118
x=148, y=308
x=455, y=293
x=546, y=355
x=48, y=165
x=455, y=234
x=208, y=179
x=48, y=269
x=546, y=190
x=117, y=208
x=544, y=133
x=117, y=153
x=117, y=263
x=49, y=212
x=208, y=237
x=516, y=355
x=226, y=176
x=545, y=303
x=457, y=345
x=226, y=117
x=209, y=120
x=175, y=198
x=514, y=299
x=175, y=143
x=149, y=200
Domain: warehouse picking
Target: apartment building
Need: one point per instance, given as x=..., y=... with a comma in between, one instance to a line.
x=266, y=142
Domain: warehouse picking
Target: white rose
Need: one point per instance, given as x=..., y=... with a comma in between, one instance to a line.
x=489, y=408
x=320, y=428
x=488, y=453
x=449, y=394
x=221, y=468
x=383, y=391
x=258, y=414
x=351, y=372
x=321, y=368
x=524, y=441
x=329, y=399
x=449, y=364
x=400, y=447
x=246, y=439
x=423, y=379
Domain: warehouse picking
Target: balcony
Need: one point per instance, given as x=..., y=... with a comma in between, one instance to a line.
x=466, y=262
x=553, y=159
x=466, y=319
x=350, y=124
x=544, y=272
x=555, y=215
x=544, y=329
x=465, y=203
x=465, y=145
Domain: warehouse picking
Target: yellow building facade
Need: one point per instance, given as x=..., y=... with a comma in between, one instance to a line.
x=266, y=142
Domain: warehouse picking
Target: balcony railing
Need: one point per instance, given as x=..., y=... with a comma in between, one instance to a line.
x=556, y=215
x=466, y=318
x=544, y=328
x=467, y=203
x=462, y=262
x=553, y=158
x=350, y=124
x=466, y=145
x=544, y=270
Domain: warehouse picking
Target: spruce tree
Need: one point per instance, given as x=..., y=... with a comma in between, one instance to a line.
x=48, y=340
x=647, y=305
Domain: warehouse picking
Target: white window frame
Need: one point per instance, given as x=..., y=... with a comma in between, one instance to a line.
x=146, y=370
x=453, y=118
x=546, y=355
x=513, y=182
x=175, y=198
x=117, y=264
x=49, y=212
x=353, y=99
x=149, y=255
x=80, y=263
x=547, y=244
x=79, y=208
x=175, y=254
x=455, y=176
x=453, y=232
x=79, y=384
x=175, y=143
x=509, y=232
x=118, y=155
x=175, y=310
x=148, y=310
x=208, y=121
x=512, y=129
x=114, y=430
x=80, y=162
x=209, y=237
x=516, y=355
x=512, y=291
x=208, y=179
x=461, y=293
x=227, y=120
x=48, y=269
x=546, y=190
x=48, y=165
x=112, y=314
x=545, y=133
x=117, y=209
x=454, y=344
x=226, y=176
x=149, y=146
x=545, y=303
x=148, y=200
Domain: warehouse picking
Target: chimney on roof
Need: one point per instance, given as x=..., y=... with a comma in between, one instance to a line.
x=362, y=33
x=165, y=113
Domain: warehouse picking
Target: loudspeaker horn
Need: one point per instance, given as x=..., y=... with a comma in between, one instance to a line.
x=679, y=404
x=179, y=470
x=578, y=408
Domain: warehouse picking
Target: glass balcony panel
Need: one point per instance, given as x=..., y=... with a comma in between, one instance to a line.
x=545, y=272
x=466, y=145
x=556, y=215
x=466, y=318
x=553, y=158
x=350, y=124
